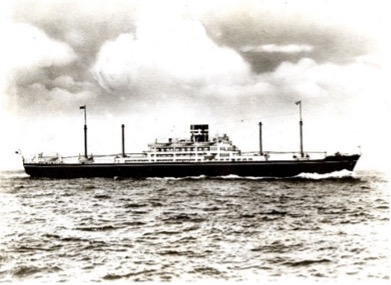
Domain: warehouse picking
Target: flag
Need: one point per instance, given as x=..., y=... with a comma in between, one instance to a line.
x=298, y=102
x=82, y=107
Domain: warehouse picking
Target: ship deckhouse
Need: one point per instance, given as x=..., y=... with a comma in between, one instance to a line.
x=197, y=148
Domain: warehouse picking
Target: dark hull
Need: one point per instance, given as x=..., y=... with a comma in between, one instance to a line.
x=282, y=168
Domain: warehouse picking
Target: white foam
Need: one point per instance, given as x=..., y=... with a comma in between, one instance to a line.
x=13, y=174
x=336, y=174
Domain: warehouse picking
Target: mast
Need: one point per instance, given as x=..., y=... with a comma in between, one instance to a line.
x=123, y=140
x=84, y=107
x=301, y=129
x=260, y=139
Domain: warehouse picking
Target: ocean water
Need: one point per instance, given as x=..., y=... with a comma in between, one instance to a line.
x=307, y=228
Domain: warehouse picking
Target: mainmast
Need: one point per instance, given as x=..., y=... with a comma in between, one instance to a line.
x=260, y=139
x=301, y=129
x=84, y=107
x=123, y=140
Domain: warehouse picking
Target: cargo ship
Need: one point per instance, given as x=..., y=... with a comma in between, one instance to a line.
x=196, y=155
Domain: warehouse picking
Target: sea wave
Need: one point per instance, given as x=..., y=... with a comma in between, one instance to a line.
x=217, y=229
x=13, y=174
x=200, y=177
x=342, y=174
x=236, y=177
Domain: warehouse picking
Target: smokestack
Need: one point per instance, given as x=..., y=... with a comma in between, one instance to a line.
x=123, y=140
x=260, y=139
x=199, y=133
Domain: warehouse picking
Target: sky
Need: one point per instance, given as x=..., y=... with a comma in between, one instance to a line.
x=159, y=66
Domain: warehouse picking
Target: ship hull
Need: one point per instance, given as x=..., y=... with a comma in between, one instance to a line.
x=281, y=168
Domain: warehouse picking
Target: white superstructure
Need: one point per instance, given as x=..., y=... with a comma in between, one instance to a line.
x=219, y=148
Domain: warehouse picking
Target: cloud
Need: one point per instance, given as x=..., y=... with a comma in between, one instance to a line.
x=27, y=47
x=272, y=48
x=25, y=53
x=84, y=25
x=167, y=50
x=286, y=27
x=45, y=55
x=177, y=49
